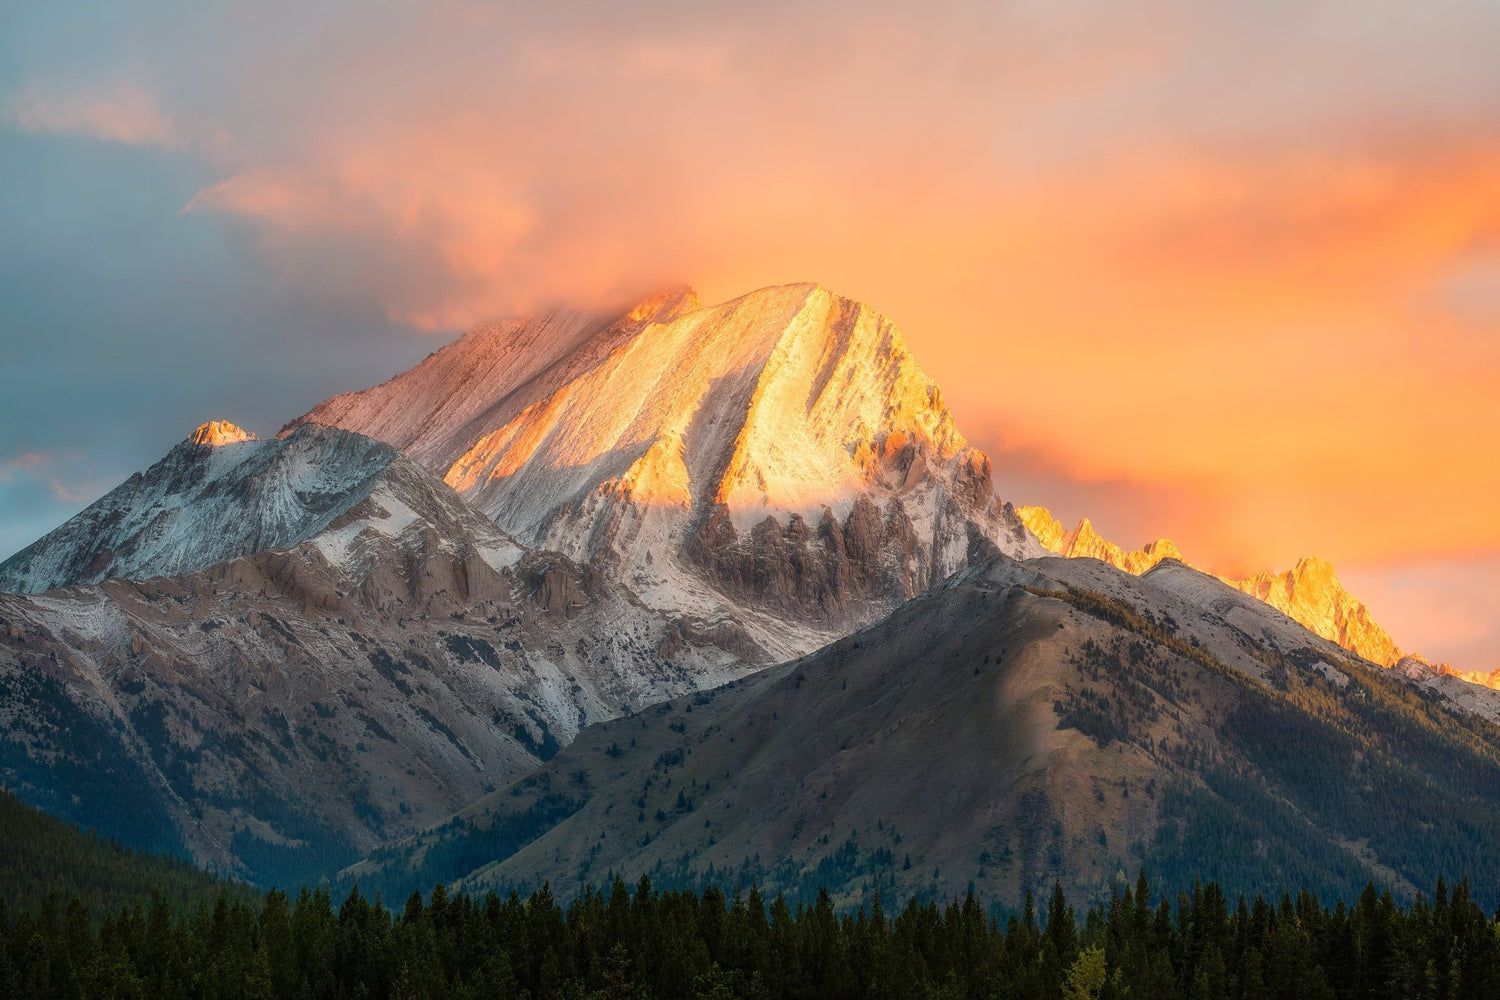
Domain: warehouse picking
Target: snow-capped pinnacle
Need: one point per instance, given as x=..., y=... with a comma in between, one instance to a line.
x=216, y=433
x=204, y=503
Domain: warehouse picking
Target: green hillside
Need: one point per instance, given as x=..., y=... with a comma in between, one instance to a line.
x=42, y=857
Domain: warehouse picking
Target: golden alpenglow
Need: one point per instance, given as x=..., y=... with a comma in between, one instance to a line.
x=1310, y=593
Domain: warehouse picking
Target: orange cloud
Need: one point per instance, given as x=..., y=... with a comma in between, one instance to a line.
x=1227, y=270
x=1264, y=330
x=1454, y=603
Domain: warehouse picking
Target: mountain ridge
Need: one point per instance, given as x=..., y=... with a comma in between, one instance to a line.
x=219, y=494
x=1309, y=593
x=298, y=704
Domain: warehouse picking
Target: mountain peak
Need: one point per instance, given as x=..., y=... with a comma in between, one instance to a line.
x=681, y=443
x=216, y=433
x=1309, y=593
x=665, y=306
x=204, y=503
x=1313, y=569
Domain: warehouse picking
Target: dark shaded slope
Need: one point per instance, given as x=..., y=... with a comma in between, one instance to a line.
x=1027, y=723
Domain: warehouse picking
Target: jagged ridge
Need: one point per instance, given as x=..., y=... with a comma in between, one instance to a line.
x=276, y=712
x=1310, y=593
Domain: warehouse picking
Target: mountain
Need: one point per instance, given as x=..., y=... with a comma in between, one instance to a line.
x=779, y=459
x=1026, y=722
x=280, y=656
x=283, y=711
x=1310, y=593
x=218, y=495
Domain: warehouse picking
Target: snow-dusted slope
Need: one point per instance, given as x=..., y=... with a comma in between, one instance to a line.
x=221, y=494
x=779, y=456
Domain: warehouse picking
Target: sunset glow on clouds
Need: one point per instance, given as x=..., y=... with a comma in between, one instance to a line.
x=1228, y=273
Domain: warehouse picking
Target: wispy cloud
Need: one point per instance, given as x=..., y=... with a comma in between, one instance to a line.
x=66, y=478
x=125, y=115
x=23, y=462
x=72, y=493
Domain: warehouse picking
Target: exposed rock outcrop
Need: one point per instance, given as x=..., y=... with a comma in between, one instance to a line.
x=1310, y=593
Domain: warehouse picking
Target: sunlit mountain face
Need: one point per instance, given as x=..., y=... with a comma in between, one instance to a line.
x=779, y=457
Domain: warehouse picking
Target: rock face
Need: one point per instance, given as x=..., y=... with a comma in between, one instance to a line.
x=1490, y=680
x=780, y=459
x=1310, y=593
x=1053, y=720
x=301, y=704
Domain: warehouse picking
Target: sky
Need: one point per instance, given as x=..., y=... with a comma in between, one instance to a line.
x=1227, y=273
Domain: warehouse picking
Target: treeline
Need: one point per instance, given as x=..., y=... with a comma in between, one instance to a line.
x=642, y=943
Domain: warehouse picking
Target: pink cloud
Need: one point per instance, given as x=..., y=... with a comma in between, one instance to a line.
x=41, y=467
x=1446, y=609
x=126, y=115
x=26, y=460
x=25, y=463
